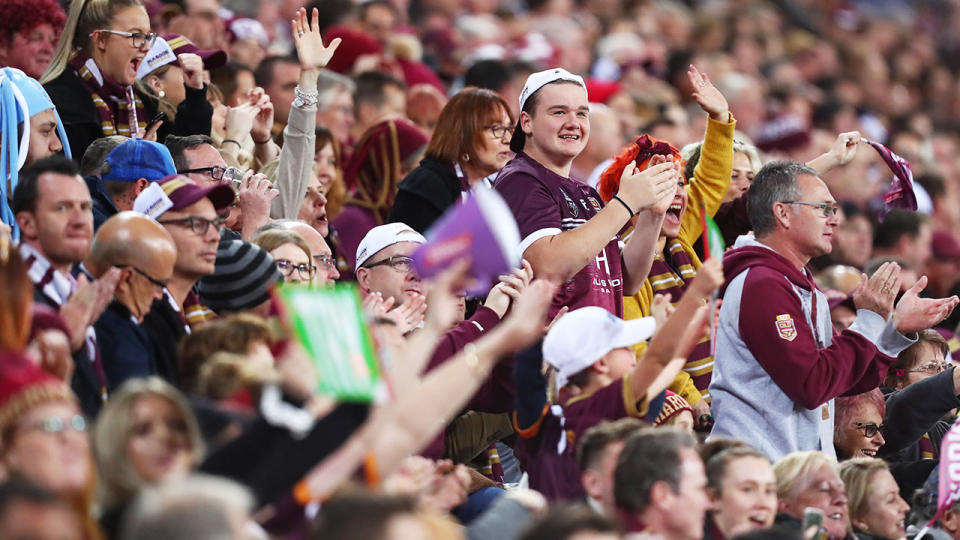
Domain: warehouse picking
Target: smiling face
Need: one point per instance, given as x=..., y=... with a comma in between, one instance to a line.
x=158, y=441
x=674, y=216
x=887, y=511
x=747, y=498
x=31, y=49
x=61, y=225
x=559, y=127
x=825, y=491
x=852, y=441
x=115, y=55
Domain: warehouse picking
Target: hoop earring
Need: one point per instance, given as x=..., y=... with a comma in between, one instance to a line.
x=465, y=157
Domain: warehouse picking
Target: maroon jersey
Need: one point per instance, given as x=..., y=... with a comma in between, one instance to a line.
x=547, y=449
x=544, y=204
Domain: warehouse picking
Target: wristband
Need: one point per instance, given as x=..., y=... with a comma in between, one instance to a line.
x=625, y=205
x=225, y=141
x=265, y=141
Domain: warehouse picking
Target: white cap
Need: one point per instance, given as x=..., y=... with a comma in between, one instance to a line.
x=585, y=335
x=385, y=236
x=160, y=54
x=540, y=79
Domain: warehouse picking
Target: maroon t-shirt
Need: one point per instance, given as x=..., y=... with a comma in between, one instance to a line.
x=555, y=473
x=544, y=204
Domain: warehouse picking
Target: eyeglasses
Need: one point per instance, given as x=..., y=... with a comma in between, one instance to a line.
x=197, y=224
x=326, y=261
x=151, y=279
x=287, y=267
x=499, y=131
x=869, y=429
x=139, y=39
x=397, y=262
x=931, y=369
x=828, y=209
x=57, y=425
x=221, y=174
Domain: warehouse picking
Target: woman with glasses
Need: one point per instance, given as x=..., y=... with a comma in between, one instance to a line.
x=91, y=76
x=876, y=509
x=44, y=439
x=471, y=142
x=857, y=425
x=291, y=253
x=921, y=391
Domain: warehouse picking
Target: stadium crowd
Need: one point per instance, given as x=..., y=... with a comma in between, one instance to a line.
x=734, y=314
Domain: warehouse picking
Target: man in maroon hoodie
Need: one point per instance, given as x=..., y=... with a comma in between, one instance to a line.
x=779, y=362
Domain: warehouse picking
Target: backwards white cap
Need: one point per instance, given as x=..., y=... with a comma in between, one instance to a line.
x=540, y=79
x=585, y=335
x=385, y=236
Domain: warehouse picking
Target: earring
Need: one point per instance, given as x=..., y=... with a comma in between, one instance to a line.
x=465, y=157
x=161, y=93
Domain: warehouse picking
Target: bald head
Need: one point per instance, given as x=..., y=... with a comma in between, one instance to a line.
x=130, y=239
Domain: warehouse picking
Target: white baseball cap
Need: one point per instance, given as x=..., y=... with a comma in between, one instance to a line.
x=385, y=236
x=160, y=54
x=535, y=82
x=585, y=335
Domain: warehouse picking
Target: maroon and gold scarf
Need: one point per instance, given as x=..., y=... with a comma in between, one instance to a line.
x=118, y=106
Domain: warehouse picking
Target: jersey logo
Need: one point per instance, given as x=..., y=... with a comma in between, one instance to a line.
x=786, y=328
x=594, y=203
x=572, y=205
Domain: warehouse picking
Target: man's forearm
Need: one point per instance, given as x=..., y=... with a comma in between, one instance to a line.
x=561, y=256
x=638, y=253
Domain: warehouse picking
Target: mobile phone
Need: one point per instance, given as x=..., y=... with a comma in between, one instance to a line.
x=160, y=117
x=813, y=524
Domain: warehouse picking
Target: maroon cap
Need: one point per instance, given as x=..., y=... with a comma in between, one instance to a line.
x=836, y=298
x=945, y=246
x=212, y=58
x=182, y=192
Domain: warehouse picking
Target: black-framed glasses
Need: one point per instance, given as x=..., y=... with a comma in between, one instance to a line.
x=499, y=131
x=325, y=261
x=930, y=369
x=869, y=429
x=828, y=209
x=287, y=267
x=397, y=262
x=139, y=39
x=197, y=224
x=56, y=424
x=220, y=174
x=151, y=279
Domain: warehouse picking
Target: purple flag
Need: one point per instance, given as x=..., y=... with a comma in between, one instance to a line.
x=900, y=195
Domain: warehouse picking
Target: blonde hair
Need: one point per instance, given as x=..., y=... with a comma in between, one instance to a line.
x=794, y=470
x=274, y=238
x=857, y=475
x=227, y=373
x=84, y=17
x=163, y=104
x=119, y=481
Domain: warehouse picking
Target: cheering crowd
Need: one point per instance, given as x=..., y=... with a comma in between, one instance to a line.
x=733, y=316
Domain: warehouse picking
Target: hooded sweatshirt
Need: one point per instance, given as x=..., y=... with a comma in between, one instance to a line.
x=780, y=363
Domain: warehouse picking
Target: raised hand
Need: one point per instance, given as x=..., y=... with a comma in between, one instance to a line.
x=708, y=97
x=841, y=152
x=239, y=122
x=878, y=293
x=508, y=289
x=524, y=325
x=443, y=294
x=192, y=66
x=709, y=277
x=263, y=121
x=311, y=51
x=254, y=196
x=913, y=313
x=661, y=308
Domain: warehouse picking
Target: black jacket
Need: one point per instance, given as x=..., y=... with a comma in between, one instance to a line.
x=424, y=194
x=82, y=122
x=125, y=348
x=165, y=327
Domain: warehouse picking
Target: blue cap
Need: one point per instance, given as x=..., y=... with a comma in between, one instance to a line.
x=136, y=159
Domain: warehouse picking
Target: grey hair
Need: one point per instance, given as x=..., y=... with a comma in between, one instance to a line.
x=198, y=506
x=328, y=84
x=776, y=182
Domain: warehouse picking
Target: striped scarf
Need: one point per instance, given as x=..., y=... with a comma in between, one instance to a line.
x=118, y=106
x=673, y=279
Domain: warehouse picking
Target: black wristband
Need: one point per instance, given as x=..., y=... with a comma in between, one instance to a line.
x=225, y=141
x=265, y=141
x=625, y=205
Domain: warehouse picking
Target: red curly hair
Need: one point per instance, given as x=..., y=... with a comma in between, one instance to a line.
x=19, y=15
x=639, y=152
